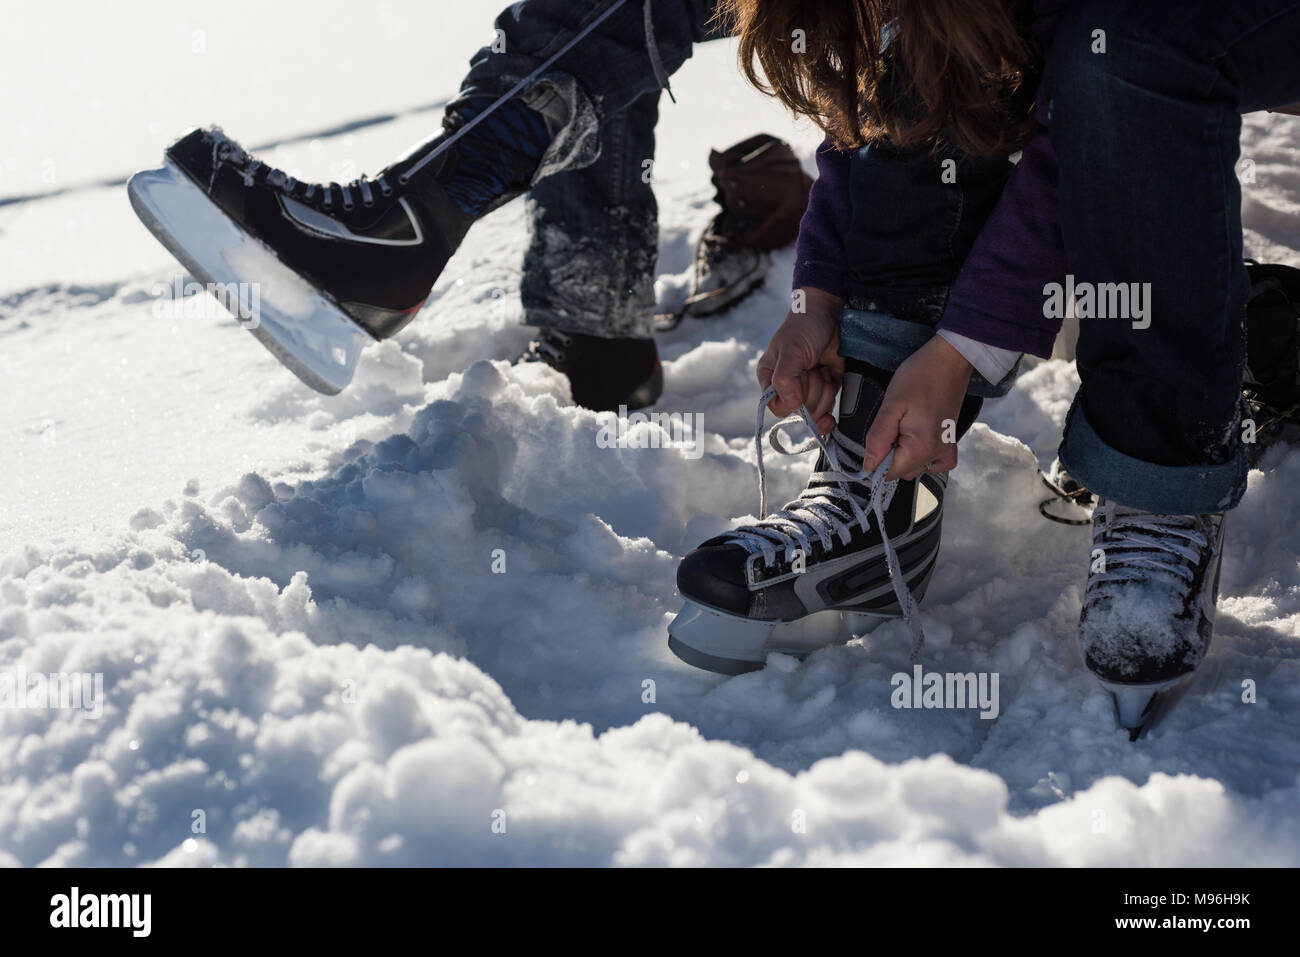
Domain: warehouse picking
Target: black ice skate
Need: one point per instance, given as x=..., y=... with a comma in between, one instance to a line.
x=604, y=374
x=1148, y=610
x=334, y=266
x=818, y=569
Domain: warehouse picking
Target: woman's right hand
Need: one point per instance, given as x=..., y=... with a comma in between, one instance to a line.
x=802, y=361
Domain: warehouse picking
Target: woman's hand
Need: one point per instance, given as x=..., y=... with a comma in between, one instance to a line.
x=927, y=390
x=802, y=360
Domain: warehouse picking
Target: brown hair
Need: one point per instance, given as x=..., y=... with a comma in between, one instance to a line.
x=963, y=67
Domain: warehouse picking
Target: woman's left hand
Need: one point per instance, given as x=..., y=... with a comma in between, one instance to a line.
x=926, y=392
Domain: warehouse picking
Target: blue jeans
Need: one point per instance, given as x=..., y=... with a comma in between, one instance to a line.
x=1147, y=140
x=885, y=341
x=594, y=247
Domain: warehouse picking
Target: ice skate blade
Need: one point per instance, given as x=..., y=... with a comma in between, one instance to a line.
x=730, y=645
x=1136, y=705
x=300, y=325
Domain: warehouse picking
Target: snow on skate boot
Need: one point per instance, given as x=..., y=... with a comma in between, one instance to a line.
x=818, y=569
x=604, y=374
x=763, y=192
x=332, y=266
x=1148, y=609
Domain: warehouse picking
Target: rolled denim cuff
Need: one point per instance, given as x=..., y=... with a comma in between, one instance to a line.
x=885, y=342
x=1163, y=489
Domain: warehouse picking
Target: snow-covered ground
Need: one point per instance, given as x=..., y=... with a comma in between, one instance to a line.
x=424, y=621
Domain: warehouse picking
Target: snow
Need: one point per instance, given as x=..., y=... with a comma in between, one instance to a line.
x=307, y=655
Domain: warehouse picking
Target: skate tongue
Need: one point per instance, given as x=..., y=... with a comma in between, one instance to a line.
x=1147, y=547
x=861, y=393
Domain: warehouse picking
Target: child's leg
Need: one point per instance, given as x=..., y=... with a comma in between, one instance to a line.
x=1147, y=140
x=595, y=236
x=589, y=272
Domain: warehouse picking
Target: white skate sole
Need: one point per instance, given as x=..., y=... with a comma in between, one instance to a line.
x=1137, y=706
x=299, y=324
x=730, y=645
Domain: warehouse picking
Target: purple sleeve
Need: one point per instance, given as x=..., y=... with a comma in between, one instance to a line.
x=820, y=259
x=999, y=294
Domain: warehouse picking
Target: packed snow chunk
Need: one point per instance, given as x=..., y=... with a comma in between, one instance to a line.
x=147, y=518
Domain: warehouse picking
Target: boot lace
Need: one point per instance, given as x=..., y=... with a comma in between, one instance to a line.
x=227, y=151
x=1136, y=542
x=827, y=508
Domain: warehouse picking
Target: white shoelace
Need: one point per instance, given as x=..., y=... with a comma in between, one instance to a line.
x=826, y=510
x=1169, y=543
x=226, y=150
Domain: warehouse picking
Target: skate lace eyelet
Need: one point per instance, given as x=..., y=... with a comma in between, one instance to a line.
x=348, y=207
